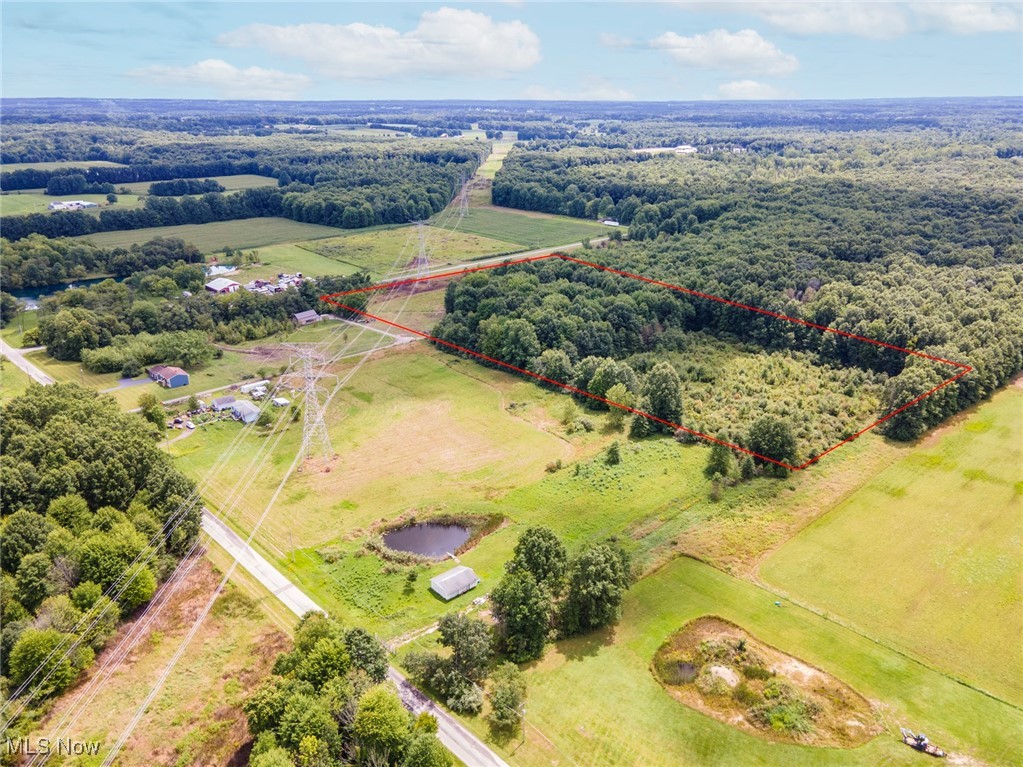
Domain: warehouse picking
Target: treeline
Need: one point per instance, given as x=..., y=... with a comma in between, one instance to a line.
x=94, y=516
x=563, y=320
x=327, y=704
x=158, y=211
x=180, y=186
x=364, y=188
x=76, y=183
x=37, y=260
x=33, y=178
x=835, y=216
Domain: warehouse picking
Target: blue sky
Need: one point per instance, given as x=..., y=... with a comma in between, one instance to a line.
x=508, y=50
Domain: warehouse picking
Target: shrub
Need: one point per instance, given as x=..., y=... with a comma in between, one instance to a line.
x=756, y=672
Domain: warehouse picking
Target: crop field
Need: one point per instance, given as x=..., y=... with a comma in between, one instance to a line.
x=230, y=183
x=213, y=237
x=13, y=166
x=24, y=202
x=587, y=691
x=530, y=230
x=197, y=718
x=926, y=554
x=386, y=251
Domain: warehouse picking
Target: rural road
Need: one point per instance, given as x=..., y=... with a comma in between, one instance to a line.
x=17, y=356
x=455, y=737
x=454, y=268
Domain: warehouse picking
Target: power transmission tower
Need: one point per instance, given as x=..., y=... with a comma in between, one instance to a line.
x=463, y=196
x=422, y=259
x=315, y=436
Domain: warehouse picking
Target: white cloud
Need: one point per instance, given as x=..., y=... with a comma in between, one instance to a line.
x=969, y=18
x=742, y=52
x=746, y=90
x=592, y=89
x=874, y=20
x=445, y=42
x=227, y=80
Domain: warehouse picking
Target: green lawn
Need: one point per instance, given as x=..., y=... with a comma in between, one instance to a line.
x=291, y=258
x=13, y=166
x=13, y=380
x=15, y=329
x=385, y=251
x=210, y=238
x=21, y=203
x=926, y=555
x=530, y=230
x=598, y=703
x=230, y=183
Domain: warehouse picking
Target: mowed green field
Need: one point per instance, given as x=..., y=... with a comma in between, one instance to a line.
x=13, y=166
x=290, y=258
x=530, y=230
x=210, y=238
x=595, y=702
x=388, y=251
x=13, y=380
x=926, y=555
x=23, y=203
x=230, y=183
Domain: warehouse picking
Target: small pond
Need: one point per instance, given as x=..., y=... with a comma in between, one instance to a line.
x=427, y=539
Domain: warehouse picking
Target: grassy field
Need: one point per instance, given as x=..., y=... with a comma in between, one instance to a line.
x=210, y=238
x=530, y=230
x=926, y=555
x=230, y=183
x=385, y=251
x=13, y=166
x=13, y=380
x=587, y=692
x=197, y=716
x=291, y=258
x=13, y=333
x=22, y=203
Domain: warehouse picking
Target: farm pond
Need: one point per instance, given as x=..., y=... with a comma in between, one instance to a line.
x=427, y=539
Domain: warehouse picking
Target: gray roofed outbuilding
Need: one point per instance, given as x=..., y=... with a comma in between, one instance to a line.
x=455, y=581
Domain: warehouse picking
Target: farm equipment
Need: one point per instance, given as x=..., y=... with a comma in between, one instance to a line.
x=920, y=743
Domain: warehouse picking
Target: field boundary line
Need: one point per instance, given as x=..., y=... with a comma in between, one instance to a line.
x=963, y=368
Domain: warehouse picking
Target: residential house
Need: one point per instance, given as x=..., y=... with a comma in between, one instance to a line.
x=222, y=403
x=244, y=411
x=168, y=376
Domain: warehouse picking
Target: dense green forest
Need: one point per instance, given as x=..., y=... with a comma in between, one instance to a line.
x=325, y=704
x=569, y=322
x=38, y=260
x=94, y=516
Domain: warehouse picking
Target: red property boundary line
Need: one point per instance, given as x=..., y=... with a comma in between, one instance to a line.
x=963, y=369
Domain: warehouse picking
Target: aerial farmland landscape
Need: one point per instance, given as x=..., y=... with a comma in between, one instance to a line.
x=511, y=384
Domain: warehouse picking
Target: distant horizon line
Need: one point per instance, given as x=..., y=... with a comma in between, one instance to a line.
x=1017, y=97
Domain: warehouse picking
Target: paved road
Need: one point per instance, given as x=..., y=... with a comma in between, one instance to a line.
x=17, y=356
x=455, y=737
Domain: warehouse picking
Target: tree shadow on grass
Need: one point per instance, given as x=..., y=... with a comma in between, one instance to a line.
x=586, y=645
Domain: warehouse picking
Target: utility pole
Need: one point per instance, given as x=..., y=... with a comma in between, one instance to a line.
x=523, y=726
